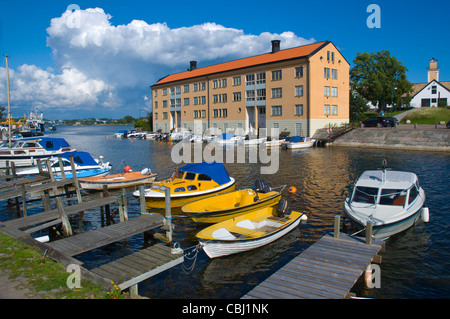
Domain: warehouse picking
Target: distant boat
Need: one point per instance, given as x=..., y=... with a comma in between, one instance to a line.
x=297, y=142
x=25, y=152
x=85, y=165
x=248, y=231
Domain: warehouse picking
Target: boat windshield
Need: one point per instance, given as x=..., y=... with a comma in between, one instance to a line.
x=394, y=197
x=365, y=195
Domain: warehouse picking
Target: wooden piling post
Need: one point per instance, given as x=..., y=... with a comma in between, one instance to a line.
x=67, y=228
x=123, y=213
x=369, y=231
x=142, y=199
x=337, y=225
x=168, y=214
x=61, y=167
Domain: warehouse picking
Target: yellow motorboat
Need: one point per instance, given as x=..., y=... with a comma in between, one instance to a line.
x=220, y=207
x=189, y=183
x=249, y=231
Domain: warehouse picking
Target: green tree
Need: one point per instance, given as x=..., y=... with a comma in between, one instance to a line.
x=358, y=105
x=380, y=78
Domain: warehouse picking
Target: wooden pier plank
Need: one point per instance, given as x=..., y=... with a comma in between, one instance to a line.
x=83, y=242
x=130, y=270
x=327, y=269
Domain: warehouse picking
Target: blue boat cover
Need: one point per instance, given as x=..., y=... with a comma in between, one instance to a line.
x=226, y=136
x=294, y=139
x=80, y=158
x=214, y=170
x=49, y=143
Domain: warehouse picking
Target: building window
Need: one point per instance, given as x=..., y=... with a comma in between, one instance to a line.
x=195, y=100
x=156, y=104
x=261, y=94
x=224, y=112
x=276, y=93
x=195, y=87
x=177, y=89
x=164, y=92
x=334, y=74
x=186, y=89
x=236, y=96
x=186, y=101
x=178, y=102
x=250, y=95
x=299, y=109
x=299, y=90
x=156, y=93
x=433, y=89
x=224, y=83
x=224, y=98
x=237, y=80
x=334, y=110
x=326, y=73
x=299, y=72
x=326, y=109
x=261, y=78
x=276, y=75
x=332, y=57
x=277, y=110
x=164, y=115
x=156, y=116
x=165, y=103
x=250, y=79
x=334, y=92
x=203, y=113
x=326, y=91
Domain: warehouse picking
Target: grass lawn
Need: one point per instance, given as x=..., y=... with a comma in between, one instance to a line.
x=44, y=276
x=428, y=115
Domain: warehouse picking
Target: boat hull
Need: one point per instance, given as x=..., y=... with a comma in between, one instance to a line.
x=180, y=200
x=219, y=215
x=219, y=248
x=384, y=230
x=116, y=181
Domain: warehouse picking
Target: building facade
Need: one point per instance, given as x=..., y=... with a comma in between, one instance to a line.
x=433, y=93
x=297, y=90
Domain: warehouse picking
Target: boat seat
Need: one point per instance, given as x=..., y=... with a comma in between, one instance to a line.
x=245, y=231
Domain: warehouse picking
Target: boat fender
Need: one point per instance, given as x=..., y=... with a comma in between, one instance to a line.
x=292, y=190
x=425, y=214
x=304, y=217
x=146, y=171
x=126, y=169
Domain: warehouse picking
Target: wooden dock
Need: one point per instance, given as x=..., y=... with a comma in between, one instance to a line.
x=125, y=272
x=328, y=269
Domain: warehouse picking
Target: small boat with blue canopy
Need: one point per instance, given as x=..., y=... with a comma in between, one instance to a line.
x=297, y=142
x=25, y=152
x=188, y=183
x=85, y=166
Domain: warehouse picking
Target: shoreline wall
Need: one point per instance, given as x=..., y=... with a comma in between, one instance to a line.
x=412, y=139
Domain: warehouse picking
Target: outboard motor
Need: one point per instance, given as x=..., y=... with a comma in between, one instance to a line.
x=259, y=186
x=282, y=208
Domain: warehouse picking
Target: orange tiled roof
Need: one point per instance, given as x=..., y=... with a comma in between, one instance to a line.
x=281, y=55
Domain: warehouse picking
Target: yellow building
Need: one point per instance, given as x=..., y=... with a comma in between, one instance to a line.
x=298, y=90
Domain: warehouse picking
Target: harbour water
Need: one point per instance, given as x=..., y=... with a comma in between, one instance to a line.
x=415, y=264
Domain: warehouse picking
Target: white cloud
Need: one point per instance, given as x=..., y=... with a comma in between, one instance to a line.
x=100, y=64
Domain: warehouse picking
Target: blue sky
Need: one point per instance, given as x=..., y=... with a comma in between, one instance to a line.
x=112, y=72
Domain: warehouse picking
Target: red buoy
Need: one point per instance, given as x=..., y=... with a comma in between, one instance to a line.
x=126, y=169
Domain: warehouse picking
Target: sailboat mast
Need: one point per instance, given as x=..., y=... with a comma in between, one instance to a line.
x=9, y=101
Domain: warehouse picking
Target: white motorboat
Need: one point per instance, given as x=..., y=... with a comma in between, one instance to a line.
x=85, y=166
x=297, y=142
x=25, y=152
x=392, y=200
